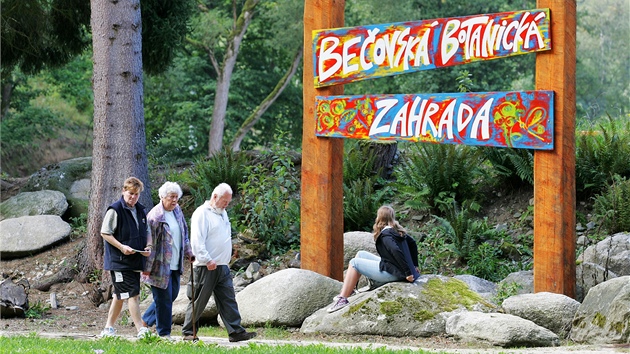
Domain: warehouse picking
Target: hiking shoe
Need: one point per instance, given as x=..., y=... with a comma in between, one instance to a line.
x=237, y=337
x=144, y=332
x=108, y=332
x=190, y=337
x=340, y=302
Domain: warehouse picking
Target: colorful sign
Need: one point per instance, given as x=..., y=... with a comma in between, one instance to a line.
x=350, y=54
x=502, y=119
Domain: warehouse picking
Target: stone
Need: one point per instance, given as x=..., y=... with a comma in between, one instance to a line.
x=499, y=329
x=45, y=202
x=524, y=279
x=549, y=310
x=399, y=309
x=604, y=315
x=26, y=235
x=285, y=298
x=483, y=287
x=356, y=241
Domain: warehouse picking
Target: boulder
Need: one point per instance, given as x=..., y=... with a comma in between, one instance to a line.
x=285, y=298
x=499, y=329
x=399, y=309
x=45, y=202
x=604, y=315
x=70, y=177
x=26, y=235
x=13, y=298
x=602, y=261
x=524, y=279
x=552, y=311
x=356, y=241
x=483, y=287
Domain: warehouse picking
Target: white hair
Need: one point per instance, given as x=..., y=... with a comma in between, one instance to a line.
x=168, y=188
x=222, y=189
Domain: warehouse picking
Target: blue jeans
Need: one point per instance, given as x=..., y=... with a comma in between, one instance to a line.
x=367, y=264
x=160, y=312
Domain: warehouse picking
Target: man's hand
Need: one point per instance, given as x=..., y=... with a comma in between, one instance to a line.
x=192, y=259
x=212, y=265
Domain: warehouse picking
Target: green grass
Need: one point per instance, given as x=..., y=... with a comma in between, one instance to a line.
x=34, y=344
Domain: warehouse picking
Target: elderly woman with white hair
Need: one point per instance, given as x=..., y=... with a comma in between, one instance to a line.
x=164, y=267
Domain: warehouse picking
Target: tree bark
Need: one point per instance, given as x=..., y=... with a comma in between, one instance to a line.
x=217, y=126
x=266, y=103
x=119, y=145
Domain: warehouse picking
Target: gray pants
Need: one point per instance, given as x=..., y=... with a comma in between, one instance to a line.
x=219, y=282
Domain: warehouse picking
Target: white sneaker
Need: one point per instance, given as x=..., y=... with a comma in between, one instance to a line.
x=144, y=332
x=108, y=332
x=167, y=338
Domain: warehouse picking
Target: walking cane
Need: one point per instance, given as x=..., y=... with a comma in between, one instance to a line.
x=192, y=283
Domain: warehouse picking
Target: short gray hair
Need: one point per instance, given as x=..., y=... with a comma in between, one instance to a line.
x=222, y=189
x=168, y=188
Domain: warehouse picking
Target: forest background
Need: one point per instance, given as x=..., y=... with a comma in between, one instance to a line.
x=232, y=81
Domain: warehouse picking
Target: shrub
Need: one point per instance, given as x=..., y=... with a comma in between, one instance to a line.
x=600, y=154
x=269, y=203
x=612, y=207
x=512, y=167
x=206, y=173
x=429, y=172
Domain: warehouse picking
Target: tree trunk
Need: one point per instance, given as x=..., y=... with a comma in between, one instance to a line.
x=217, y=126
x=266, y=103
x=386, y=154
x=119, y=147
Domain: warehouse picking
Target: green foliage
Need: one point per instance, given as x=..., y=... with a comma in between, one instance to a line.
x=460, y=228
x=505, y=290
x=512, y=167
x=206, y=173
x=363, y=190
x=269, y=204
x=79, y=225
x=37, y=310
x=601, y=154
x=612, y=206
x=35, y=344
x=429, y=172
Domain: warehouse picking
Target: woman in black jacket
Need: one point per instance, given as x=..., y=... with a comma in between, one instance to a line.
x=397, y=259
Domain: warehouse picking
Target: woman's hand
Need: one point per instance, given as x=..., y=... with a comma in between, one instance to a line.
x=410, y=278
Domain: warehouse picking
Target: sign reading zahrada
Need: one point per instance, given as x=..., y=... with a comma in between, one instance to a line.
x=502, y=119
x=350, y=54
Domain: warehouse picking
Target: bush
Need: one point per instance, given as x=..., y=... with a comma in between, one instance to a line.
x=429, y=172
x=269, y=203
x=601, y=154
x=512, y=167
x=612, y=207
x=206, y=173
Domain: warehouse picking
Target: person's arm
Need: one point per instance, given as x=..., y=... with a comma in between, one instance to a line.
x=188, y=253
x=152, y=230
x=126, y=250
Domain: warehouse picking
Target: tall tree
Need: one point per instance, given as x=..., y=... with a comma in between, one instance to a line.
x=119, y=133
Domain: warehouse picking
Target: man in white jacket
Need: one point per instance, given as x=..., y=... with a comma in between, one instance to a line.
x=211, y=241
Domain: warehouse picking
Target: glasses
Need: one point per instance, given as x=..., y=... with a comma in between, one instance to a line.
x=172, y=197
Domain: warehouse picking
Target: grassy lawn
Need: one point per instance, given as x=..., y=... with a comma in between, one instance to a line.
x=34, y=344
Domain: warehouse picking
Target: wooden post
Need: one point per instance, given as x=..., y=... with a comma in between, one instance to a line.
x=554, y=171
x=322, y=160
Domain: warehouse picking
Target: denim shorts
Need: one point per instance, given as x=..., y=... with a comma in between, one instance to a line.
x=367, y=264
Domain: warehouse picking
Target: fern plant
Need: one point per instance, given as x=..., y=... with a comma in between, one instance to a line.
x=612, y=207
x=601, y=154
x=511, y=166
x=428, y=172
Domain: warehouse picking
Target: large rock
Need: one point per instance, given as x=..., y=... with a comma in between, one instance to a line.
x=552, y=311
x=399, y=309
x=26, y=235
x=499, y=329
x=44, y=202
x=604, y=316
x=356, y=241
x=523, y=279
x=483, y=287
x=70, y=177
x=605, y=260
x=285, y=298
